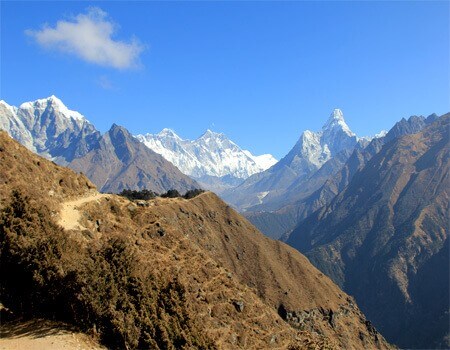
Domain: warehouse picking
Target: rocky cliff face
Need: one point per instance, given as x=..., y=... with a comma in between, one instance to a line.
x=382, y=234
x=49, y=128
x=122, y=162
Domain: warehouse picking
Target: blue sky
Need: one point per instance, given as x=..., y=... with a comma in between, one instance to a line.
x=261, y=72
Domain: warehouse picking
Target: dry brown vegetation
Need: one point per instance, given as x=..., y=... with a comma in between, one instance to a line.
x=164, y=273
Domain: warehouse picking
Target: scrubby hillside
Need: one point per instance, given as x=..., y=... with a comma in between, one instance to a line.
x=163, y=273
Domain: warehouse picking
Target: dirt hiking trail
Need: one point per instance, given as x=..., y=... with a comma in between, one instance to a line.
x=70, y=216
x=43, y=335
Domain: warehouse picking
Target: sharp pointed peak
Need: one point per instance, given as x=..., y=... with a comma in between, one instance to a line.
x=115, y=126
x=336, y=116
x=336, y=120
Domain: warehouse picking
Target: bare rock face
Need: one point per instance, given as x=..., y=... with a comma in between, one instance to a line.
x=49, y=128
x=384, y=237
x=119, y=161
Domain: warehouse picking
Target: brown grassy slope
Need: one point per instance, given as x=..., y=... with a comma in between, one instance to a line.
x=230, y=313
x=204, y=229
x=43, y=180
x=234, y=277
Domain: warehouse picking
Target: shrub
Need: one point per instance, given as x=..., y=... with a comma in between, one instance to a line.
x=171, y=194
x=138, y=195
x=193, y=193
x=101, y=288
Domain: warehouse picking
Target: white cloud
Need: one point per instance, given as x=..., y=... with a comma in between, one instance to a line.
x=90, y=37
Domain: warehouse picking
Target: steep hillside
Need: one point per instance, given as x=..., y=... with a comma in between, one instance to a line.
x=386, y=231
x=164, y=273
x=44, y=180
x=120, y=161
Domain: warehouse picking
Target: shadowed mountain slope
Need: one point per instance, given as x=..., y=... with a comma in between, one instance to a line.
x=120, y=161
x=386, y=231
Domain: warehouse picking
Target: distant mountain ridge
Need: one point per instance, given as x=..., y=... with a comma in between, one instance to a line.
x=46, y=126
x=299, y=202
x=49, y=128
x=267, y=191
x=211, y=156
x=113, y=161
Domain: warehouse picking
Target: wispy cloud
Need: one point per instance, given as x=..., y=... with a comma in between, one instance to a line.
x=90, y=37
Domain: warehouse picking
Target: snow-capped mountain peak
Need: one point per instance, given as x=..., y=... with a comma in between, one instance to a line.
x=313, y=149
x=212, y=154
x=167, y=133
x=336, y=121
x=46, y=126
x=382, y=133
x=52, y=102
x=265, y=161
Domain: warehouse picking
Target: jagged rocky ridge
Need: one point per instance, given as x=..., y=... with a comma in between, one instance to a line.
x=49, y=128
x=384, y=237
x=113, y=161
x=212, y=159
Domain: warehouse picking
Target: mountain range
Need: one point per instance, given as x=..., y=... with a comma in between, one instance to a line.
x=323, y=185
x=312, y=151
x=270, y=199
x=47, y=127
x=212, y=159
x=371, y=213
x=163, y=273
x=384, y=236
